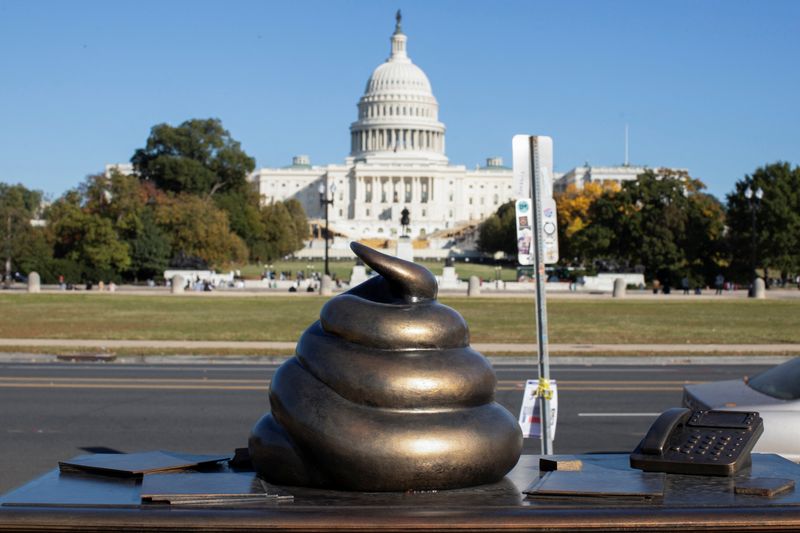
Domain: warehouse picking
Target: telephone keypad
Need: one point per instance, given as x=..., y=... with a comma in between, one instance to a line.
x=706, y=442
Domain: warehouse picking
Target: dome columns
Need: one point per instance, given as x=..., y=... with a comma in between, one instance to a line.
x=387, y=139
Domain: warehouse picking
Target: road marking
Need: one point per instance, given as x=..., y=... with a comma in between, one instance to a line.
x=618, y=414
x=133, y=380
x=264, y=386
x=260, y=384
x=125, y=386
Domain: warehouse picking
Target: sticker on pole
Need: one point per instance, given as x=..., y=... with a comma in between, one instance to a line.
x=529, y=419
x=524, y=216
x=549, y=231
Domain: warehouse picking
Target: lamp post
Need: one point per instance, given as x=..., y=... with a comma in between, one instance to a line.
x=753, y=195
x=325, y=200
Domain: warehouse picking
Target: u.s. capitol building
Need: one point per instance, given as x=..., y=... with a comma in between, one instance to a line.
x=397, y=160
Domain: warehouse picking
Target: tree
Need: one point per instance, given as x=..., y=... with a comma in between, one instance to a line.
x=498, y=232
x=18, y=206
x=777, y=217
x=150, y=249
x=197, y=157
x=573, y=215
x=662, y=221
x=280, y=236
x=299, y=220
x=244, y=215
x=197, y=228
x=119, y=198
x=87, y=239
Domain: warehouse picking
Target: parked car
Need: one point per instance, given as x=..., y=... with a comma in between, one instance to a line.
x=775, y=393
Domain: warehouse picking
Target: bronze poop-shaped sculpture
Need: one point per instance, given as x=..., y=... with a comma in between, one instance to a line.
x=385, y=394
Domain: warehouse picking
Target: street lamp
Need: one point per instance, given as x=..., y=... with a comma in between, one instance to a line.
x=753, y=195
x=326, y=200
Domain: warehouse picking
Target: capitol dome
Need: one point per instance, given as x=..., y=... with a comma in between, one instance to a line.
x=398, y=116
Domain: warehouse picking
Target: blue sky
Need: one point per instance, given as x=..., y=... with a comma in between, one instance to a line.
x=707, y=85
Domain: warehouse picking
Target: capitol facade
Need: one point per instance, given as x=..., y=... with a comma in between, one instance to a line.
x=397, y=161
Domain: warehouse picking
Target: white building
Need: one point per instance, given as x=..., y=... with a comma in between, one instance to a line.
x=397, y=160
x=579, y=176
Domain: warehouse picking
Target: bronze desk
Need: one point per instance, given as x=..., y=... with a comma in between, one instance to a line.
x=74, y=502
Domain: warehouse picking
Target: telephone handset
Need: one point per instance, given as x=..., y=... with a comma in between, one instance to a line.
x=715, y=443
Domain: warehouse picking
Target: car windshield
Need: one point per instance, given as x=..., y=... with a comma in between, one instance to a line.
x=782, y=381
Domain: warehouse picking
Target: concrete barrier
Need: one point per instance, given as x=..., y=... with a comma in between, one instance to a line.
x=326, y=286
x=759, y=289
x=178, y=284
x=34, y=282
x=619, y=288
x=474, y=288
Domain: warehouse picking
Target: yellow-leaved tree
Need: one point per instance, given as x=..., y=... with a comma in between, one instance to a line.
x=573, y=215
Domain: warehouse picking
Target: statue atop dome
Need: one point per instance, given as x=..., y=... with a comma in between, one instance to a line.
x=398, y=27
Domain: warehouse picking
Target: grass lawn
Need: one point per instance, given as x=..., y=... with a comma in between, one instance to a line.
x=342, y=269
x=283, y=318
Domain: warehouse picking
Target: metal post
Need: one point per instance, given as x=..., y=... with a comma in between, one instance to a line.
x=754, y=274
x=541, y=305
x=327, y=272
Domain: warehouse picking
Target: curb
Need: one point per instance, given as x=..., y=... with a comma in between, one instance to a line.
x=501, y=361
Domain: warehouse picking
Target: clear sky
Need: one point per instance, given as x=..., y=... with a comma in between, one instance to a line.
x=712, y=86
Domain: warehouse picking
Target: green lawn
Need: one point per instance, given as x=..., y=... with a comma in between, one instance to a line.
x=342, y=269
x=283, y=318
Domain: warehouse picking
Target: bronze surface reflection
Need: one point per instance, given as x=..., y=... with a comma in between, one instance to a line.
x=385, y=394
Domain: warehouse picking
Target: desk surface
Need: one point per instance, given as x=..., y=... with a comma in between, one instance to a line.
x=70, y=502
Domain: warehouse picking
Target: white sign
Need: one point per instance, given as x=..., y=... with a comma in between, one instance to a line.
x=529, y=420
x=524, y=217
x=521, y=164
x=542, y=164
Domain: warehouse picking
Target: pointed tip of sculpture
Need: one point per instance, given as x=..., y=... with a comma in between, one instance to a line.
x=410, y=281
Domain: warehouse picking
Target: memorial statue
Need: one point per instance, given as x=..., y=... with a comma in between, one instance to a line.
x=405, y=220
x=385, y=394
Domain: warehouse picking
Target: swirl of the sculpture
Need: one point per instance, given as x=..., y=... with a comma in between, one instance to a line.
x=385, y=394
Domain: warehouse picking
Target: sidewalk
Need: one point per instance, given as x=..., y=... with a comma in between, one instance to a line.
x=7, y=345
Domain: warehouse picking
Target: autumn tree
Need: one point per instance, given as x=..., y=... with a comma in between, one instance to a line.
x=196, y=227
x=662, y=221
x=573, y=206
x=280, y=235
x=299, y=222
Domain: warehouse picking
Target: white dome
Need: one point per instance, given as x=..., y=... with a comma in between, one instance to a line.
x=396, y=76
x=398, y=116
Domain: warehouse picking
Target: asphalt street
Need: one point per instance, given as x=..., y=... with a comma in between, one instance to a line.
x=54, y=411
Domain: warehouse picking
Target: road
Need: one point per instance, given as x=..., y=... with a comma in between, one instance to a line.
x=51, y=412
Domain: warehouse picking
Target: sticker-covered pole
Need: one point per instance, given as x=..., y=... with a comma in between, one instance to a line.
x=537, y=193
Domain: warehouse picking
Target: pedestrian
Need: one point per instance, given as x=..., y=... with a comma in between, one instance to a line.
x=719, y=282
x=685, y=284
